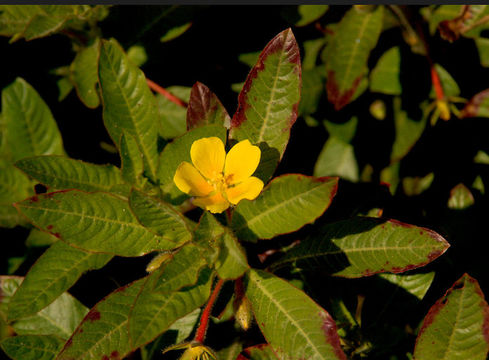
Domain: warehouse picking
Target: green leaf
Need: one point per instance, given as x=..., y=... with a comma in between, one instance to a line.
x=303, y=15
x=53, y=273
x=342, y=131
x=176, y=152
x=154, y=312
x=337, y=158
x=208, y=235
x=268, y=102
x=182, y=270
x=38, y=238
x=64, y=87
x=292, y=323
x=59, y=318
x=384, y=78
x=312, y=90
x=175, y=32
x=230, y=352
x=30, y=128
x=160, y=217
x=32, y=347
x=288, y=203
x=97, y=222
x=483, y=48
x=415, y=284
x=178, y=332
x=103, y=331
x=408, y=131
x=413, y=186
x=460, y=198
x=59, y=173
x=205, y=108
x=14, y=186
x=478, y=106
x=260, y=352
x=231, y=262
x=132, y=165
x=443, y=12
x=137, y=54
x=456, y=325
x=85, y=76
x=173, y=117
x=346, y=66
x=365, y=246
x=128, y=102
x=449, y=85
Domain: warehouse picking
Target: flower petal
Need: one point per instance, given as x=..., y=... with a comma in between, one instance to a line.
x=215, y=203
x=188, y=179
x=241, y=162
x=248, y=189
x=208, y=156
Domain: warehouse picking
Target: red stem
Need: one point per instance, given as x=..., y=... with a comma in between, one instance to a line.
x=435, y=79
x=204, y=319
x=155, y=87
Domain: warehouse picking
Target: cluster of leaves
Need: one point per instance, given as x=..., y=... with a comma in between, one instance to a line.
x=90, y=214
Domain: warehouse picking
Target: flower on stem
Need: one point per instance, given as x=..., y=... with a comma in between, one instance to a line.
x=194, y=351
x=217, y=179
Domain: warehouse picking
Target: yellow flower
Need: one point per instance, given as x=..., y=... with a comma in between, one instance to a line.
x=193, y=351
x=217, y=180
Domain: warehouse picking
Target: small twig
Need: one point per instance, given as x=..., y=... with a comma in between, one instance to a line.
x=204, y=319
x=155, y=87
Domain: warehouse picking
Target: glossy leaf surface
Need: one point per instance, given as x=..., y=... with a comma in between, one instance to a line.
x=59, y=172
x=456, y=325
x=293, y=324
x=97, y=222
x=32, y=347
x=268, y=102
x=366, y=246
x=129, y=105
x=205, y=108
x=85, y=75
x=53, y=273
x=288, y=203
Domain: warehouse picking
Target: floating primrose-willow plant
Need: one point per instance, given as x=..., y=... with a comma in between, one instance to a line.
x=223, y=239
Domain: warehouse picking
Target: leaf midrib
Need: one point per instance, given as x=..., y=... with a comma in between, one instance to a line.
x=292, y=320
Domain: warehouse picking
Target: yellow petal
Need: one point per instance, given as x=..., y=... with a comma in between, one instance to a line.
x=188, y=179
x=248, y=189
x=241, y=162
x=215, y=203
x=208, y=156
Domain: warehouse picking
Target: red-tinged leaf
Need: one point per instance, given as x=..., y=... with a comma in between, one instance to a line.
x=478, y=106
x=456, y=326
x=205, y=108
x=269, y=100
x=258, y=352
x=347, y=54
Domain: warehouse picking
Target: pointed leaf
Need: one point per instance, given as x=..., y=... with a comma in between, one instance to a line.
x=154, y=312
x=337, y=158
x=59, y=173
x=288, y=203
x=415, y=284
x=30, y=128
x=483, y=49
x=128, y=102
x=365, y=246
x=259, y=352
x=173, y=117
x=103, y=331
x=408, y=131
x=268, y=102
x=304, y=14
x=205, y=108
x=182, y=270
x=32, y=347
x=460, y=198
x=208, y=236
x=160, y=217
x=176, y=152
x=231, y=262
x=384, y=78
x=354, y=37
x=38, y=238
x=449, y=85
x=478, y=106
x=53, y=273
x=84, y=74
x=456, y=326
x=292, y=323
x=14, y=186
x=132, y=165
x=97, y=222
x=343, y=131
